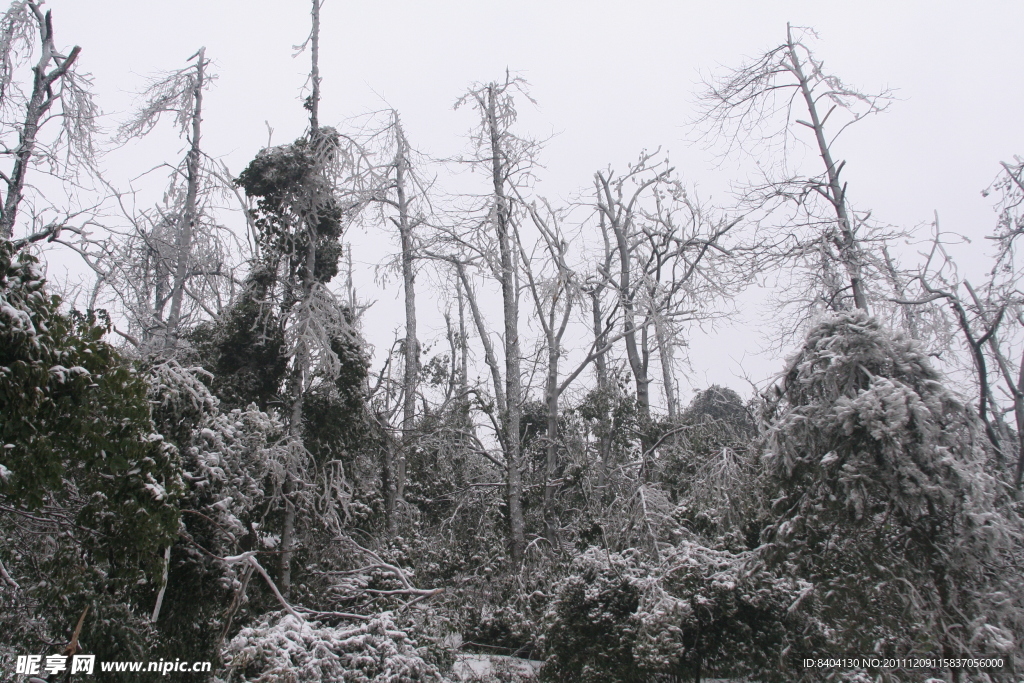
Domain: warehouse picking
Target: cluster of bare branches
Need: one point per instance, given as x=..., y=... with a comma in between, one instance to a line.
x=988, y=319
x=807, y=220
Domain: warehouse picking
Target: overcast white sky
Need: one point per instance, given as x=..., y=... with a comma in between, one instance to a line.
x=610, y=79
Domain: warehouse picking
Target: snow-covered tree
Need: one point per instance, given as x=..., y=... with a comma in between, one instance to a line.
x=621, y=617
x=300, y=219
x=708, y=465
x=882, y=499
x=172, y=264
x=33, y=145
x=228, y=459
x=88, y=488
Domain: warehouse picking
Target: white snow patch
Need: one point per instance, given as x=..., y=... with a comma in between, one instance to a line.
x=156, y=490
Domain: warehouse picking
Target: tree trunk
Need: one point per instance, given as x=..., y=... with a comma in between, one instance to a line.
x=297, y=393
x=463, y=346
x=297, y=382
x=604, y=391
x=636, y=354
x=849, y=250
x=665, y=353
x=163, y=586
x=187, y=222
x=1018, y=412
x=287, y=538
x=411, y=344
x=551, y=466
x=389, y=482
x=510, y=311
x=313, y=103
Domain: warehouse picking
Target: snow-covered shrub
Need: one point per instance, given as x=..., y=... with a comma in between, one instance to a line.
x=227, y=458
x=230, y=459
x=591, y=626
x=882, y=499
x=283, y=649
x=620, y=618
x=704, y=609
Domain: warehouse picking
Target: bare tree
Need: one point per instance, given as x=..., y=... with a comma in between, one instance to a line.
x=999, y=304
x=600, y=327
x=304, y=341
x=506, y=158
x=190, y=214
x=54, y=82
x=981, y=317
x=761, y=106
x=554, y=297
x=173, y=261
x=669, y=267
x=411, y=370
x=405, y=205
x=617, y=200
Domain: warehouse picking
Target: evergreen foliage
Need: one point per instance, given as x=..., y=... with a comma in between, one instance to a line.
x=883, y=499
x=293, y=194
x=244, y=350
x=706, y=610
x=707, y=466
x=227, y=461
x=620, y=617
x=281, y=648
x=591, y=630
x=89, y=488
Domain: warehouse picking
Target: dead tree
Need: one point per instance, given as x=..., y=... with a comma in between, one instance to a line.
x=171, y=258
x=554, y=308
x=405, y=224
x=306, y=194
x=300, y=374
x=404, y=204
x=190, y=214
x=783, y=91
x=1002, y=298
x=617, y=199
x=995, y=307
x=556, y=289
x=978, y=319
x=53, y=83
x=506, y=159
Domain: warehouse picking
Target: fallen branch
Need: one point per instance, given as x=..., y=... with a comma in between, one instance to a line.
x=273, y=586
